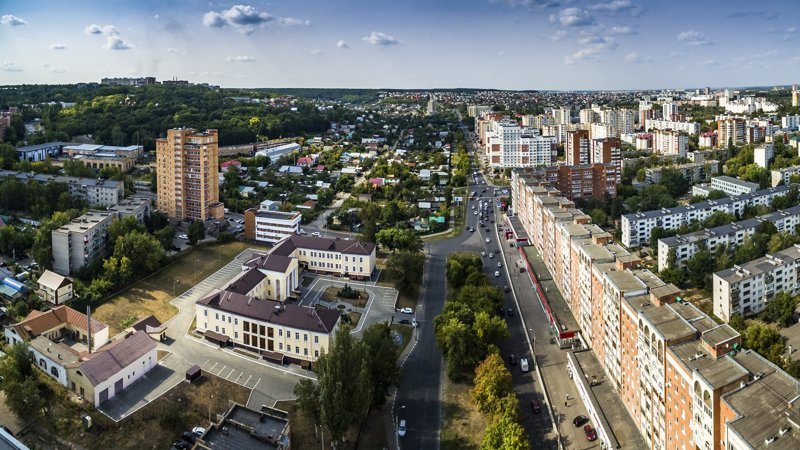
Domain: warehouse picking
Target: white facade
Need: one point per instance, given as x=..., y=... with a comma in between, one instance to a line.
x=509, y=145
x=636, y=227
x=686, y=127
x=670, y=142
x=763, y=154
x=272, y=226
x=733, y=186
x=784, y=175
x=790, y=122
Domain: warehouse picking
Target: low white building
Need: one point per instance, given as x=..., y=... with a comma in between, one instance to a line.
x=270, y=226
x=54, y=288
x=729, y=185
x=686, y=127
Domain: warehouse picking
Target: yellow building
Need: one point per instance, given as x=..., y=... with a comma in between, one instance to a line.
x=187, y=166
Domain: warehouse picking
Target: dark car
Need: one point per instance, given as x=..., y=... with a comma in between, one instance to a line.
x=506, y=289
x=501, y=310
x=535, y=406
x=579, y=421
x=405, y=322
x=181, y=445
x=591, y=434
x=189, y=437
x=510, y=312
x=512, y=359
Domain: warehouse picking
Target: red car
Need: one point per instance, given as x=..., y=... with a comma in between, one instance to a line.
x=535, y=407
x=591, y=434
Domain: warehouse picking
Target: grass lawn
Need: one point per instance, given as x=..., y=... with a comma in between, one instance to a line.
x=331, y=294
x=462, y=424
x=153, y=294
x=355, y=317
x=303, y=436
x=155, y=426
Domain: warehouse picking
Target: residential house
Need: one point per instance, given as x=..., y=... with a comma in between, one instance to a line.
x=54, y=288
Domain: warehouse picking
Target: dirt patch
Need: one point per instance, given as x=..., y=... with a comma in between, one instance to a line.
x=151, y=296
x=155, y=426
x=462, y=424
x=303, y=435
x=331, y=294
x=161, y=354
x=355, y=317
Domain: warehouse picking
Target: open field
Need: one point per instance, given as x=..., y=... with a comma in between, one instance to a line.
x=153, y=294
x=462, y=424
x=155, y=426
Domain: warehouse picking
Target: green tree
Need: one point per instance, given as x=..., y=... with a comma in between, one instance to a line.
x=121, y=227
x=505, y=433
x=166, y=236
x=700, y=266
x=25, y=395
x=196, y=232
x=76, y=168
x=459, y=347
x=42, y=249
x=780, y=241
x=765, y=340
x=780, y=309
x=142, y=249
x=406, y=269
x=383, y=354
x=345, y=386
x=118, y=270
x=492, y=383
x=308, y=401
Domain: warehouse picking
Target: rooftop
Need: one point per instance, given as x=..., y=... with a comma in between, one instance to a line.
x=243, y=429
x=277, y=215
x=719, y=372
x=669, y=324
x=288, y=245
x=38, y=322
x=117, y=356
x=760, y=265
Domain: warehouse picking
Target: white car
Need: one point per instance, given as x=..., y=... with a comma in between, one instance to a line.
x=497, y=274
x=316, y=234
x=407, y=311
x=401, y=429
x=488, y=240
x=483, y=253
x=491, y=254
x=183, y=236
x=523, y=364
x=499, y=264
x=414, y=322
x=474, y=213
x=198, y=431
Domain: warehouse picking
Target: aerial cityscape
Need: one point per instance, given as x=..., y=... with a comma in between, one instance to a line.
x=473, y=224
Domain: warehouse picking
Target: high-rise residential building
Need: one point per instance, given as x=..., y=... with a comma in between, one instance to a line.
x=602, y=130
x=509, y=145
x=686, y=127
x=730, y=131
x=563, y=115
x=577, y=148
x=670, y=142
x=626, y=121
x=588, y=116
x=763, y=154
x=187, y=166
x=794, y=96
x=606, y=151
x=669, y=110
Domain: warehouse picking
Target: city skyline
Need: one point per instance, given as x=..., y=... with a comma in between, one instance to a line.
x=502, y=44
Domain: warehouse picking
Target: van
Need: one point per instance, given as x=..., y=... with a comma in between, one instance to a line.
x=523, y=364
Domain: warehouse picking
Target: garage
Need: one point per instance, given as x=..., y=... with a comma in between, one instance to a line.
x=103, y=395
x=118, y=387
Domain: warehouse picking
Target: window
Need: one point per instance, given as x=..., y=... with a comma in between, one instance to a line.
x=216, y=328
x=297, y=335
x=280, y=332
x=236, y=321
x=236, y=335
x=280, y=345
x=216, y=316
x=297, y=350
x=305, y=337
x=205, y=312
x=54, y=371
x=316, y=353
x=316, y=339
x=305, y=351
x=223, y=331
x=81, y=392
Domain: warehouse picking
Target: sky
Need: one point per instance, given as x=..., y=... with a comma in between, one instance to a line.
x=500, y=44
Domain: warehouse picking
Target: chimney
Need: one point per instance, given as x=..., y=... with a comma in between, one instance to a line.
x=89, y=327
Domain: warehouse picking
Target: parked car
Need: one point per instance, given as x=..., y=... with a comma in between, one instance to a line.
x=579, y=421
x=414, y=322
x=497, y=274
x=488, y=240
x=535, y=406
x=189, y=437
x=510, y=312
x=499, y=264
x=316, y=234
x=591, y=434
x=183, y=236
x=491, y=254
x=401, y=429
x=512, y=359
x=523, y=364
x=181, y=445
x=483, y=253
x=407, y=310
x=404, y=322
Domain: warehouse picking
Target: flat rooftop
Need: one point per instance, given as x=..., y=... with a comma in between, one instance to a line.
x=245, y=429
x=761, y=265
x=669, y=323
x=278, y=215
x=718, y=372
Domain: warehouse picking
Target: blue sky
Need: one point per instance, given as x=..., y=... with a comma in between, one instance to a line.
x=505, y=44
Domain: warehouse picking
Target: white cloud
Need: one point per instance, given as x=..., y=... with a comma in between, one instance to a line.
x=575, y=17
x=617, y=6
x=590, y=53
x=245, y=19
x=58, y=47
x=791, y=30
x=12, y=20
x=636, y=58
x=172, y=50
x=622, y=30
x=708, y=63
x=7, y=66
x=692, y=37
x=342, y=44
x=54, y=69
x=156, y=17
x=316, y=52
x=116, y=43
x=381, y=39
x=501, y=52
x=593, y=39
x=558, y=35
x=108, y=30
x=241, y=58
x=527, y=3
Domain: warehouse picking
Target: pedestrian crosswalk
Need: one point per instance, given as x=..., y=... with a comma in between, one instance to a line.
x=389, y=298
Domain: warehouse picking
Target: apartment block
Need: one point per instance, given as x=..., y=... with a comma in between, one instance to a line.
x=578, y=148
x=670, y=142
x=731, y=235
x=707, y=140
x=685, y=127
x=636, y=227
x=729, y=185
x=581, y=181
x=606, y=150
x=270, y=226
x=693, y=172
x=96, y=192
x=783, y=176
x=86, y=237
x=509, y=145
x=730, y=131
x=187, y=166
x=745, y=290
x=763, y=154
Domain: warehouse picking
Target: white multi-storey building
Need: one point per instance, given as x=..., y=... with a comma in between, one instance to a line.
x=763, y=154
x=686, y=127
x=668, y=110
x=636, y=227
x=784, y=175
x=270, y=226
x=790, y=122
x=731, y=235
x=729, y=185
x=509, y=145
x=695, y=172
x=670, y=142
x=745, y=290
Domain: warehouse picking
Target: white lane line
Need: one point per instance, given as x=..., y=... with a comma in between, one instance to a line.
x=248, y=380
x=212, y=367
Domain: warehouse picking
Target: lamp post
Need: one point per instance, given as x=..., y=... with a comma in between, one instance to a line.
x=174, y=283
x=210, y=400
x=396, y=420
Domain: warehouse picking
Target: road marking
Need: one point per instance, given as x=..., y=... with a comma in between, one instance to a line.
x=231, y=373
x=220, y=370
x=212, y=367
x=248, y=379
x=257, y=381
x=204, y=364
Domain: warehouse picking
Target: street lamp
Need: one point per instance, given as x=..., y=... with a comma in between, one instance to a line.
x=173, y=287
x=210, y=399
x=396, y=420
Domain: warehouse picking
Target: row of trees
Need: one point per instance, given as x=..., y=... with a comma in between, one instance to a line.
x=469, y=327
x=494, y=395
x=354, y=376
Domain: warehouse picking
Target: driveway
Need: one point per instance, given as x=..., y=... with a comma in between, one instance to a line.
x=268, y=382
